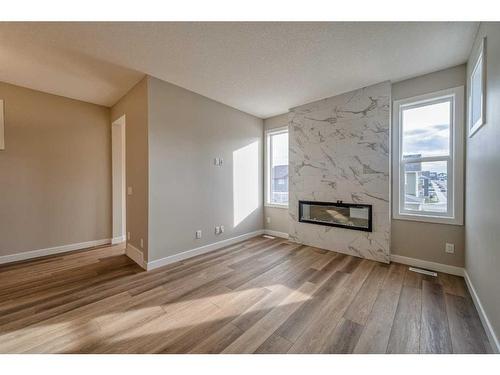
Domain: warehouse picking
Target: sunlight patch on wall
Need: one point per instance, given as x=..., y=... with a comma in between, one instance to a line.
x=245, y=181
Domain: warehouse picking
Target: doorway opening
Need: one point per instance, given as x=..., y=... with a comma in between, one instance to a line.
x=118, y=180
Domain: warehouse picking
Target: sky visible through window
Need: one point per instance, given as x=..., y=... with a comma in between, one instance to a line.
x=280, y=149
x=476, y=94
x=426, y=130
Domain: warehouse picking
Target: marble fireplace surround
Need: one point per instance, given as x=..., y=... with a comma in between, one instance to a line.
x=339, y=150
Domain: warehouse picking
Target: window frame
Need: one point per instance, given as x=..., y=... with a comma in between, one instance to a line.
x=268, y=157
x=480, y=61
x=455, y=166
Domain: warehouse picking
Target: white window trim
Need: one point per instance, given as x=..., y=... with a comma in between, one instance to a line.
x=267, y=170
x=455, y=160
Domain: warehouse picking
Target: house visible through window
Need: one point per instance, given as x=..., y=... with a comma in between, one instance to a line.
x=277, y=167
x=428, y=176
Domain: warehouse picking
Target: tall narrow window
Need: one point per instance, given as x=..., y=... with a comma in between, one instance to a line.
x=477, y=100
x=277, y=167
x=428, y=157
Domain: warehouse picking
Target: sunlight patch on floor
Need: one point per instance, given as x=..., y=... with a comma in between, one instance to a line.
x=179, y=320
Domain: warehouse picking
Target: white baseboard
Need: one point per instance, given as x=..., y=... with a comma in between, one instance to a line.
x=433, y=266
x=117, y=240
x=200, y=250
x=136, y=255
x=495, y=344
x=276, y=233
x=52, y=250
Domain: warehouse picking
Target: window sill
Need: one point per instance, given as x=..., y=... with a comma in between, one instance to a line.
x=282, y=206
x=428, y=219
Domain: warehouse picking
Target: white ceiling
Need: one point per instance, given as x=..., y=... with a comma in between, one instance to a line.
x=260, y=68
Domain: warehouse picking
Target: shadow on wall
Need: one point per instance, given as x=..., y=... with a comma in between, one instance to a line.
x=245, y=182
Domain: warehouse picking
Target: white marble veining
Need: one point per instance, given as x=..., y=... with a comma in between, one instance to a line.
x=339, y=150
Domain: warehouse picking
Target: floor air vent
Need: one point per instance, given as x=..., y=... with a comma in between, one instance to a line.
x=425, y=272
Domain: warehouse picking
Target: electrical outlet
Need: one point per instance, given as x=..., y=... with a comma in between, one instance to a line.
x=222, y=229
x=217, y=230
x=129, y=190
x=142, y=243
x=198, y=234
x=449, y=248
x=128, y=236
x=221, y=161
x=268, y=220
x=216, y=161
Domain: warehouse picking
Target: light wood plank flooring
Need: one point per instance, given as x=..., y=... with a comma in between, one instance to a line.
x=258, y=296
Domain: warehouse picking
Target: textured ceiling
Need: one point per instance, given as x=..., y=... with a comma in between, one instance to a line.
x=259, y=68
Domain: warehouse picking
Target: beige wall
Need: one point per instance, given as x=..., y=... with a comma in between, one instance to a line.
x=276, y=218
x=134, y=105
x=55, y=172
x=482, y=210
x=426, y=241
x=187, y=192
x=421, y=240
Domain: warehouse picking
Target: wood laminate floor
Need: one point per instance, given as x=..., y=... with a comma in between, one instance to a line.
x=258, y=296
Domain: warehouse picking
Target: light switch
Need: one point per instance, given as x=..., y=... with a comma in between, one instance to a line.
x=129, y=190
x=198, y=234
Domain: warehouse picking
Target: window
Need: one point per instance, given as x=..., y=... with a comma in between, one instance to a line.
x=428, y=157
x=477, y=100
x=277, y=167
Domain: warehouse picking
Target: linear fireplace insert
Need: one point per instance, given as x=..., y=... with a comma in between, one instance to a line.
x=345, y=215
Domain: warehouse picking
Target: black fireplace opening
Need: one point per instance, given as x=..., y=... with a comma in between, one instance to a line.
x=339, y=214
